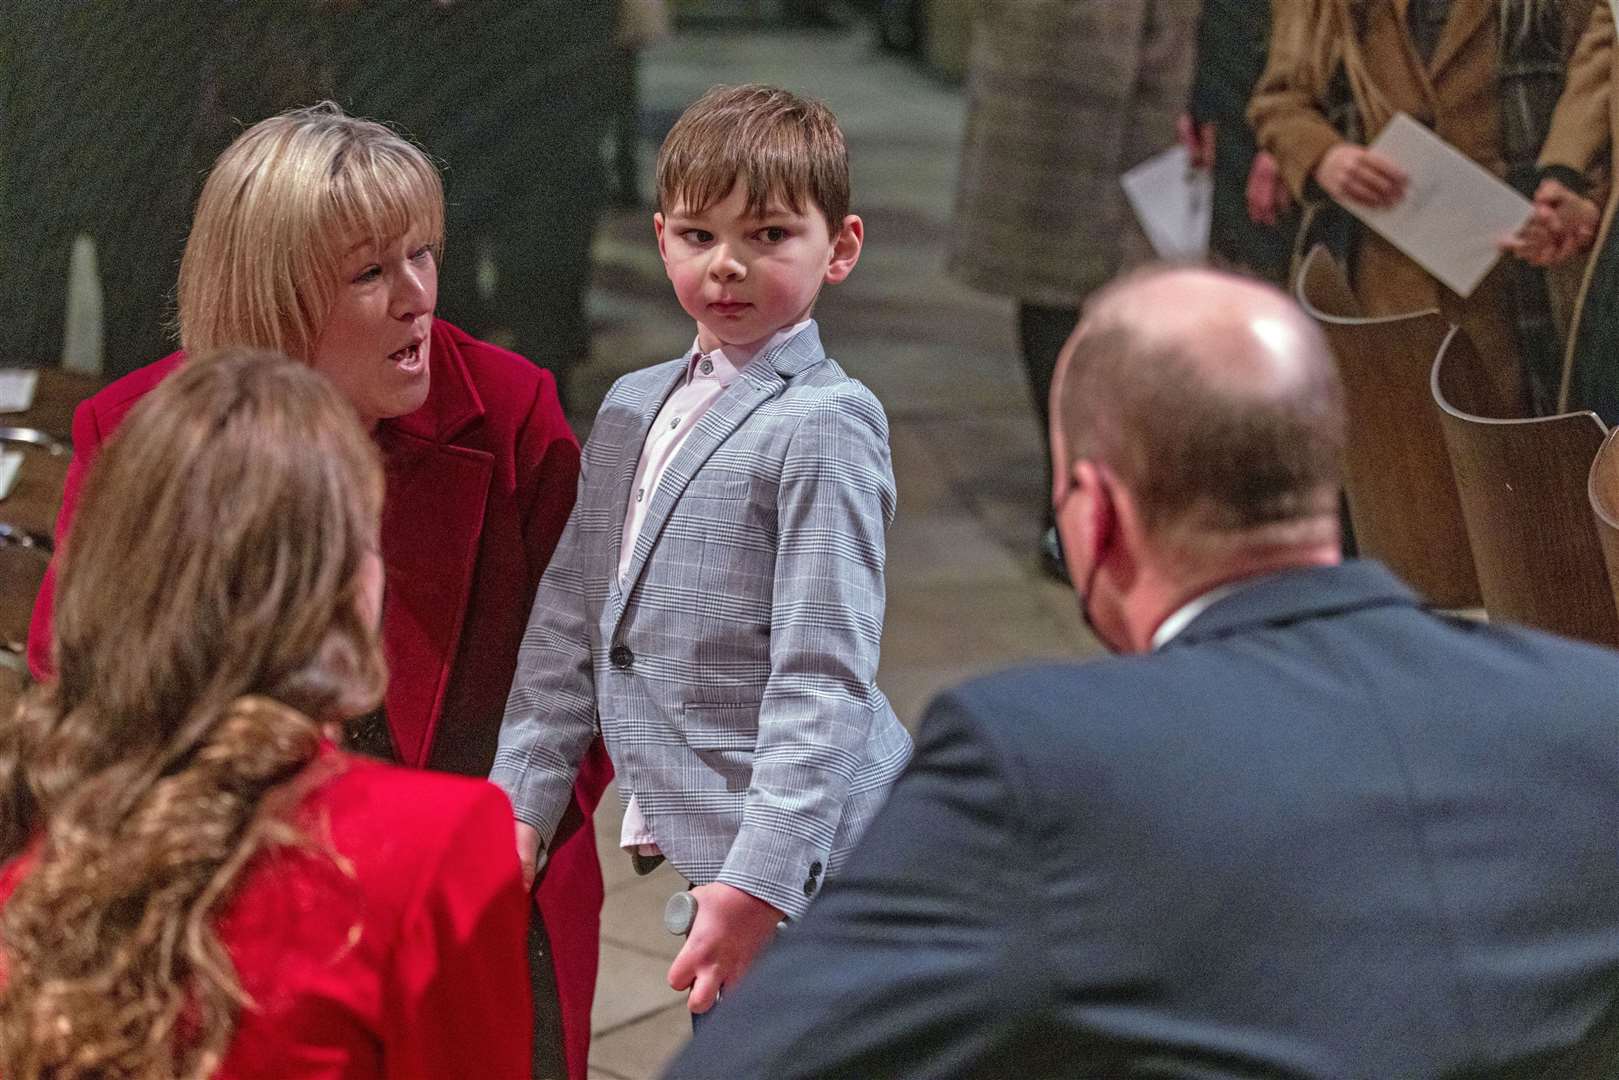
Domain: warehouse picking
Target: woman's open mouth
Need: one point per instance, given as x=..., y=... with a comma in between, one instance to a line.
x=410, y=359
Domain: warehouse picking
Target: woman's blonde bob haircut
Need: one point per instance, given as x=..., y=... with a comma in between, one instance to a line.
x=282, y=206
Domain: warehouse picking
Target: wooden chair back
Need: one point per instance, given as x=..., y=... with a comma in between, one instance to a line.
x=1397, y=476
x=1602, y=488
x=1523, y=483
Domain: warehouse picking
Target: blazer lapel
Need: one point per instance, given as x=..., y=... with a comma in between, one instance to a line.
x=629, y=456
x=432, y=520
x=760, y=380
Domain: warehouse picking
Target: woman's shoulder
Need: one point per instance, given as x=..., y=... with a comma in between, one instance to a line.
x=110, y=404
x=413, y=802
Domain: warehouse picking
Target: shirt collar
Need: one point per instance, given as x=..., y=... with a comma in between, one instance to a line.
x=727, y=361
x=1183, y=616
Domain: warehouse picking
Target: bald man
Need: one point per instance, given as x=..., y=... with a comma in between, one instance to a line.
x=1307, y=829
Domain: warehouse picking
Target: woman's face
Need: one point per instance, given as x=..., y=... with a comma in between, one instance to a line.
x=375, y=343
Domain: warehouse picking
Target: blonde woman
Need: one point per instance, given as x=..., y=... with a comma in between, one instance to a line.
x=1485, y=75
x=194, y=882
x=319, y=235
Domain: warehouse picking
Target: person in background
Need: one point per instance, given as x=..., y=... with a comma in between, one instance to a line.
x=1485, y=75
x=641, y=23
x=513, y=97
x=1304, y=827
x=318, y=235
x=194, y=880
x=1253, y=224
x=1576, y=176
x=1062, y=99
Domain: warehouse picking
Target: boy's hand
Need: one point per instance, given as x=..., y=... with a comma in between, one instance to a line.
x=730, y=929
x=528, y=853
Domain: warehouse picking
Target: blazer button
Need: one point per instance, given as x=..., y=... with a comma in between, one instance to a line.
x=815, y=869
x=621, y=657
x=809, y=886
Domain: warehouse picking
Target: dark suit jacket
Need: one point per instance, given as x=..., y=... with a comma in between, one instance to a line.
x=1323, y=834
x=1233, y=39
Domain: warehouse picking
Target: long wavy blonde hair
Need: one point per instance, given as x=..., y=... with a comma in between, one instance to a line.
x=209, y=617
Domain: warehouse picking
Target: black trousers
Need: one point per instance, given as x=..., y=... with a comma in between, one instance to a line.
x=550, y=1063
x=1042, y=332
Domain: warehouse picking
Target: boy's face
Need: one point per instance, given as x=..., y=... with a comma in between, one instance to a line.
x=743, y=277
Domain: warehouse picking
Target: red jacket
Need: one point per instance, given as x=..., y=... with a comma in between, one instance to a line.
x=481, y=480
x=435, y=982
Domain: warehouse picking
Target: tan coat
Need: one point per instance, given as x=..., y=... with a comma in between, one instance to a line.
x=1062, y=98
x=1457, y=96
x=1584, y=130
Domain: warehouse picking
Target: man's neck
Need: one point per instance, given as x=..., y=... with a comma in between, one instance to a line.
x=1157, y=596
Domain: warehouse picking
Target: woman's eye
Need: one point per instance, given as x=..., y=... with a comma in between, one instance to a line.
x=421, y=253
x=370, y=273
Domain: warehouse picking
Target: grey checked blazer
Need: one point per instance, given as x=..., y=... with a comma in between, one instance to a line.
x=733, y=676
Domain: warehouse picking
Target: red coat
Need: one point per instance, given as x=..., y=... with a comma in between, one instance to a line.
x=481, y=480
x=434, y=985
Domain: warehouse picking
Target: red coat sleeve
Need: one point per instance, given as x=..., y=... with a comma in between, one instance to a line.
x=87, y=439
x=458, y=1001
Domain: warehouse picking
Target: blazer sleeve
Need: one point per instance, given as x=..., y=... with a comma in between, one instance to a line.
x=458, y=993
x=1286, y=118
x=87, y=439
x=550, y=716
x=1581, y=127
x=834, y=505
x=924, y=949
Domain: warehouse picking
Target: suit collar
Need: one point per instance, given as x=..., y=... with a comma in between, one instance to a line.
x=1293, y=595
x=762, y=378
x=453, y=403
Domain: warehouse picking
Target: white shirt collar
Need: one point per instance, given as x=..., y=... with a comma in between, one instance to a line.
x=1171, y=627
x=727, y=361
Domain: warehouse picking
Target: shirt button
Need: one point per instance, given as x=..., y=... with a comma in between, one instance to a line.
x=640, y=493
x=706, y=367
x=674, y=423
x=621, y=657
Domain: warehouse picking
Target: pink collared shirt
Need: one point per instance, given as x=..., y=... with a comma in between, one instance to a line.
x=707, y=376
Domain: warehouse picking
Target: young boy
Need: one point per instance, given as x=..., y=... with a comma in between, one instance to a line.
x=715, y=605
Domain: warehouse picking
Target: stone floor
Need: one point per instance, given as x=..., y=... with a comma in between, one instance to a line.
x=965, y=594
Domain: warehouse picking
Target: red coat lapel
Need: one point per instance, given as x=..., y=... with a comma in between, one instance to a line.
x=432, y=521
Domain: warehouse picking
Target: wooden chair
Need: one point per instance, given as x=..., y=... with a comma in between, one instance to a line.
x=1402, y=494
x=1602, y=488
x=1523, y=483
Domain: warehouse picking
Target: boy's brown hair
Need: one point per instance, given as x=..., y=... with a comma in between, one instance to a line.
x=773, y=142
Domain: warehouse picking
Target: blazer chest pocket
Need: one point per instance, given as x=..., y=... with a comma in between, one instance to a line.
x=716, y=484
x=722, y=738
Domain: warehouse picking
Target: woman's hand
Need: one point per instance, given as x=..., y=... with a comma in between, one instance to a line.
x=1355, y=174
x=1563, y=225
x=1268, y=197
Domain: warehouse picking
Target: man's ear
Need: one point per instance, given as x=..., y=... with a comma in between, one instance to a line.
x=846, y=249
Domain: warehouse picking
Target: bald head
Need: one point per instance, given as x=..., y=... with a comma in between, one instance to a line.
x=1212, y=397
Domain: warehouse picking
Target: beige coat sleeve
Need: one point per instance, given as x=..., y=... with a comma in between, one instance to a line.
x=1285, y=115
x=1582, y=124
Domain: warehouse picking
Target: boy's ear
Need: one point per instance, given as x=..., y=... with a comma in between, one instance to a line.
x=846, y=249
x=657, y=229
